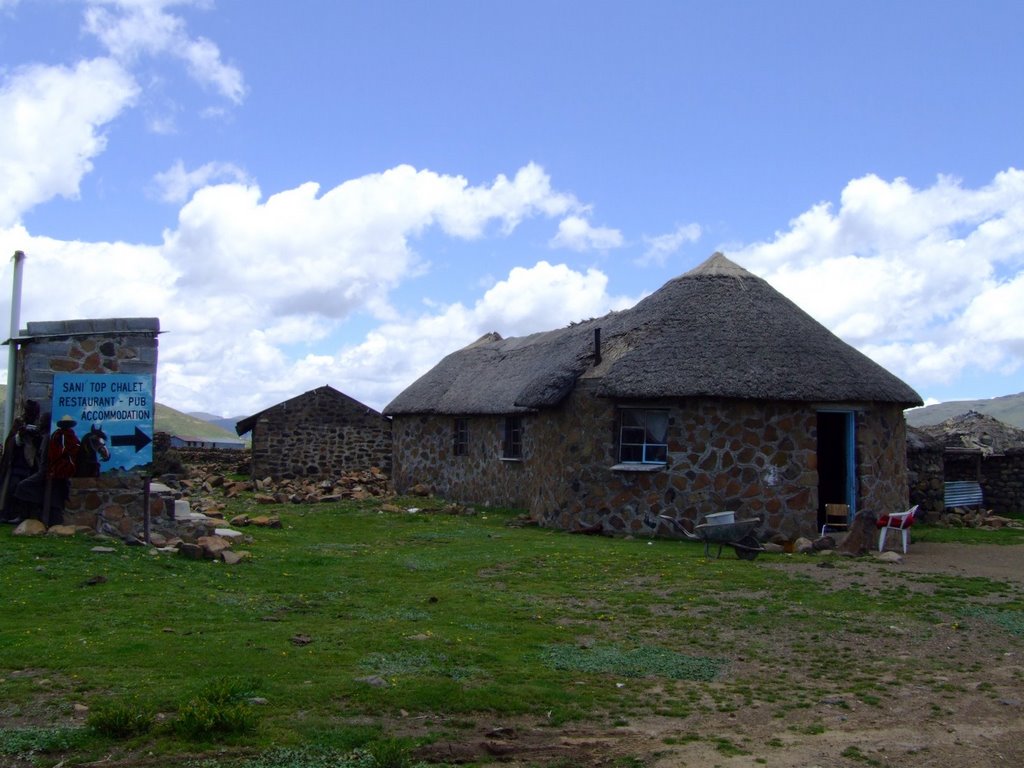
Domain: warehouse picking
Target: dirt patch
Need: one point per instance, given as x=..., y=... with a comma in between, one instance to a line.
x=966, y=709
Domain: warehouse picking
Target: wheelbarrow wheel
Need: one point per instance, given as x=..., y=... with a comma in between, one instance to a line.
x=748, y=547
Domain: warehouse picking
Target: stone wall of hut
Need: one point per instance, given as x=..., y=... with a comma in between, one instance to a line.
x=926, y=478
x=425, y=455
x=759, y=459
x=883, y=484
x=1002, y=482
x=320, y=434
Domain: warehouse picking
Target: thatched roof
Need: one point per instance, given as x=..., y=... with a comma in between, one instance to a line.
x=716, y=331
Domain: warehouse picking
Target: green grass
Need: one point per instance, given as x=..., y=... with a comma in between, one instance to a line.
x=348, y=620
x=939, y=535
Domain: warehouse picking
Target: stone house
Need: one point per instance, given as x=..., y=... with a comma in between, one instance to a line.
x=713, y=393
x=319, y=434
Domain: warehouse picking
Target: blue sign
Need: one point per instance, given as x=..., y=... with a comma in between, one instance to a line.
x=118, y=404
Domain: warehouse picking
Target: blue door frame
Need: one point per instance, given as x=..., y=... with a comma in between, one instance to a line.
x=850, y=455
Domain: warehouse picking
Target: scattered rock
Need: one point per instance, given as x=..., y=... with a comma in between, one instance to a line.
x=213, y=546
x=103, y=550
x=29, y=527
x=889, y=557
x=191, y=551
x=61, y=530
x=231, y=557
x=92, y=581
x=300, y=639
x=375, y=681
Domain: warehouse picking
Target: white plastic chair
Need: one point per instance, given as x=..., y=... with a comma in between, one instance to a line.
x=899, y=521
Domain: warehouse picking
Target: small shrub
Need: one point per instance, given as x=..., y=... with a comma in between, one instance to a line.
x=201, y=719
x=121, y=719
x=389, y=753
x=226, y=690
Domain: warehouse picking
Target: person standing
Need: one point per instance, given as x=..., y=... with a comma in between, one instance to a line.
x=21, y=457
x=61, y=464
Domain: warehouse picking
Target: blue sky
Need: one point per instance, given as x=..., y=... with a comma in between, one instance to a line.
x=322, y=192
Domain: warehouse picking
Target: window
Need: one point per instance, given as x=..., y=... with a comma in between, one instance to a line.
x=512, y=440
x=643, y=436
x=460, y=437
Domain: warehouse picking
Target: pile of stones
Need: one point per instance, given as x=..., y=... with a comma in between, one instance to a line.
x=962, y=517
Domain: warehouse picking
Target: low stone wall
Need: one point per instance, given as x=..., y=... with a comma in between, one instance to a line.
x=113, y=504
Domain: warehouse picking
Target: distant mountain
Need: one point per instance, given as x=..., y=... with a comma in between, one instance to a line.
x=225, y=423
x=187, y=425
x=1008, y=409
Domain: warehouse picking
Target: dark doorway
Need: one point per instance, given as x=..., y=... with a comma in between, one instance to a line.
x=837, y=480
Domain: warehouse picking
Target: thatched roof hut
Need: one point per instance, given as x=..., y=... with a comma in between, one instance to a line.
x=716, y=331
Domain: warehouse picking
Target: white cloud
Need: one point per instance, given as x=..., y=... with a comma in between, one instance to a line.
x=52, y=129
x=530, y=299
x=244, y=285
x=929, y=281
x=176, y=184
x=659, y=248
x=578, y=234
x=131, y=28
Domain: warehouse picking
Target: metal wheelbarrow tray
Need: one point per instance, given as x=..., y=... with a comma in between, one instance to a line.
x=739, y=535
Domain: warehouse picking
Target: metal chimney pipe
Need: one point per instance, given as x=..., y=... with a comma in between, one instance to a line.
x=12, y=347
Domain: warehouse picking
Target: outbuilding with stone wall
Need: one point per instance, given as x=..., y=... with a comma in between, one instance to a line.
x=322, y=433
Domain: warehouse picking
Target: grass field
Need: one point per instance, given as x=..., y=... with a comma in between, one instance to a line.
x=354, y=635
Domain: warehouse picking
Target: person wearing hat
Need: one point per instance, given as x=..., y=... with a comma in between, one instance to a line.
x=43, y=494
x=22, y=456
x=61, y=464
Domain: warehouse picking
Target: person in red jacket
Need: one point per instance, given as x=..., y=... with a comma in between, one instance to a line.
x=61, y=465
x=45, y=493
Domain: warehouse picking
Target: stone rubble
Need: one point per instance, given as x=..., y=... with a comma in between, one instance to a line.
x=960, y=517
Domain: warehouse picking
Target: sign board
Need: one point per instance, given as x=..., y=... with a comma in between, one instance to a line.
x=119, y=404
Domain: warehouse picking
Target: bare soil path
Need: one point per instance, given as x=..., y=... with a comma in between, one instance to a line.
x=965, y=711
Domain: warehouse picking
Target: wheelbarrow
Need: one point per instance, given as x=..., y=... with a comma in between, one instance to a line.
x=739, y=535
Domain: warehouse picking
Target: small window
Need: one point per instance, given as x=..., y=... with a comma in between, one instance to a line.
x=643, y=436
x=512, y=440
x=460, y=437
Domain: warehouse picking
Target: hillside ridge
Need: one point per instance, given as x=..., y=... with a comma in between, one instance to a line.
x=1008, y=409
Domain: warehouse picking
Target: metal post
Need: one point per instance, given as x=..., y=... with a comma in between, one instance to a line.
x=145, y=509
x=12, y=346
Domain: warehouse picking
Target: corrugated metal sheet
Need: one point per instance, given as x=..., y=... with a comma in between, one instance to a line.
x=963, y=493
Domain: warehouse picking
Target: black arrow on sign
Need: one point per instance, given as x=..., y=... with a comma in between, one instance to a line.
x=140, y=440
